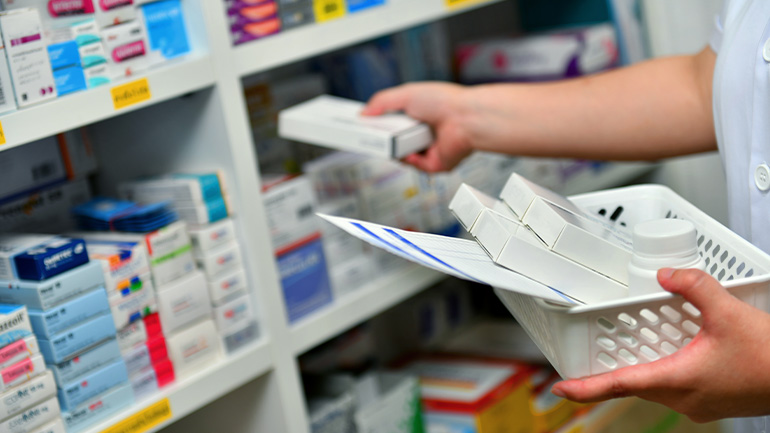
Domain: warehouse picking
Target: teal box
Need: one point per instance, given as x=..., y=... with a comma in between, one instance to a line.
x=165, y=28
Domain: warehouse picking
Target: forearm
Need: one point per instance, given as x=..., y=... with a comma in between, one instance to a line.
x=652, y=110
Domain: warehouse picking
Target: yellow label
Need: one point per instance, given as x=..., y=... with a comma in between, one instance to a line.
x=132, y=93
x=326, y=10
x=460, y=3
x=2, y=135
x=144, y=420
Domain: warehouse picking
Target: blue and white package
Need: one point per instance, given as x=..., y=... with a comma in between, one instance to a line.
x=134, y=305
x=64, y=54
x=92, y=55
x=98, y=408
x=305, y=279
x=106, y=214
x=85, y=362
x=69, y=80
x=68, y=343
x=46, y=323
x=48, y=293
x=166, y=30
x=14, y=324
x=50, y=258
x=12, y=245
x=91, y=385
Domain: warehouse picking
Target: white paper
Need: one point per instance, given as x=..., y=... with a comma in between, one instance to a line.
x=460, y=258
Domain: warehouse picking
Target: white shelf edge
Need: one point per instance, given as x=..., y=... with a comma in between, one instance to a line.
x=205, y=386
x=360, y=305
x=166, y=81
x=314, y=39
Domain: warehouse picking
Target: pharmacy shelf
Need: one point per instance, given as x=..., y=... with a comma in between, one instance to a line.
x=206, y=385
x=356, y=307
x=314, y=39
x=168, y=81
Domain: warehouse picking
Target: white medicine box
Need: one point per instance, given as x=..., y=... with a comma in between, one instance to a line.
x=337, y=123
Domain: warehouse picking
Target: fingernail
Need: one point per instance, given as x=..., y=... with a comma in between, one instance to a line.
x=666, y=273
x=558, y=392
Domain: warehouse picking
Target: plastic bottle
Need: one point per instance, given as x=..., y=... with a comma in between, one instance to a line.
x=663, y=243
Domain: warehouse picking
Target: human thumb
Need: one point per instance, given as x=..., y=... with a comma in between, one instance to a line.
x=697, y=287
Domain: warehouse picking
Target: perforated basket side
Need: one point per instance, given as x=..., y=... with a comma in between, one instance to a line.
x=588, y=340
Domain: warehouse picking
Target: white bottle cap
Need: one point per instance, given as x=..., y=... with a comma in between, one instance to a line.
x=665, y=238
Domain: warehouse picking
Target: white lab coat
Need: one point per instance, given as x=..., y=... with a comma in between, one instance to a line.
x=741, y=40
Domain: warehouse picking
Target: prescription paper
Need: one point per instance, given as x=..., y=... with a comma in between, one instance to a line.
x=460, y=258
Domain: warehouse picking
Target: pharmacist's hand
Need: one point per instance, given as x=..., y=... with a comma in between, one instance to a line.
x=438, y=105
x=724, y=372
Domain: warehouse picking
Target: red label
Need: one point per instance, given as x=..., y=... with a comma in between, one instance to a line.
x=14, y=372
x=12, y=350
x=128, y=51
x=59, y=8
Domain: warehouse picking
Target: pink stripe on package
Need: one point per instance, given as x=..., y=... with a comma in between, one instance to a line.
x=25, y=39
x=60, y=8
x=128, y=51
x=107, y=5
x=12, y=350
x=17, y=370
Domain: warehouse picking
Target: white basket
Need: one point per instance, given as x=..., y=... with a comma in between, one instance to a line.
x=587, y=340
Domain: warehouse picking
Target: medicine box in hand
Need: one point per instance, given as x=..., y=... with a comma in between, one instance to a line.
x=337, y=123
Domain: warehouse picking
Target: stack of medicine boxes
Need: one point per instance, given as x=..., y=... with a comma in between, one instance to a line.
x=184, y=308
x=201, y=201
x=70, y=315
x=132, y=301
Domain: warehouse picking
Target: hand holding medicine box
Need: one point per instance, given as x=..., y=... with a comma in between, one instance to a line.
x=337, y=123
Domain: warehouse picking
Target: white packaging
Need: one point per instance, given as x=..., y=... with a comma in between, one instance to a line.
x=340, y=247
x=290, y=206
x=386, y=402
x=39, y=388
x=214, y=235
x=220, y=260
x=125, y=264
x=22, y=371
x=588, y=242
x=31, y=418
x=515, y=247
x=337, y=123
x=227, y=286
x=7, y=99
x=184, y=302
x=519, y=193
x=234, y=315
x=127, y=49
x=353, y=274
x=468, y=203
x=18, y=350
x=132, y=335
x=31, y=72
x=54, y=427
x=193, y=348
x=113, y=12
x=133, y=306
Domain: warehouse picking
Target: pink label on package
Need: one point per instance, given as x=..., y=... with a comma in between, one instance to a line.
x=128, y=51
x=17, y=370
x=60, y=8
x=107, y=5
x=25, y=39
x=13, y=349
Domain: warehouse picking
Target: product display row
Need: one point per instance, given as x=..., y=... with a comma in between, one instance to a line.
x=55, y=48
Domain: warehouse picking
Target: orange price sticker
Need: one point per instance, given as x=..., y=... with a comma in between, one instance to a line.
x=2, y=135
x=131, y=93
x=145, y=420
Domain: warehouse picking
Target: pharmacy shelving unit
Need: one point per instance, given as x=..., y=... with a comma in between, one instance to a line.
x=196, y=119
